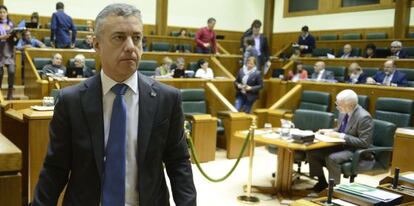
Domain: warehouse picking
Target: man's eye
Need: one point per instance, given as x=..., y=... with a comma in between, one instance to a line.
x=118, y=38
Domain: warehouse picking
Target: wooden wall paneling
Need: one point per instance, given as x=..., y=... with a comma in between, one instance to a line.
x=161, y=17
x=269, y=15
x=232, y=63
x=40, y=34
x=232, y=46
x=403, y=150
x=402, y=18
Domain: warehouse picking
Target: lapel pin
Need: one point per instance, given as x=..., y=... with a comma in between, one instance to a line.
x=153, y=94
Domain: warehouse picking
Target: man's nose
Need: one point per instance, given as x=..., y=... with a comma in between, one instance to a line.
x=129, y=44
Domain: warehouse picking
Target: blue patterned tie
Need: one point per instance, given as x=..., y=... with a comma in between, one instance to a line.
x=343, y=124
x=113, y=193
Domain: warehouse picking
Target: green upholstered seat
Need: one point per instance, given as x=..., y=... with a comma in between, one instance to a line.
x=161, y=46
x=351, y=36
x=410, y=75
x=174, y=33
x=338, y=71
x=411, y=35
x=40, y=62
x=381, y=149
x=78, y=42
x=328, y=37
x=80, y=27
x=370, y=71
x=314, y=100
x=192, y=66
x=356, y=52
x=376, y=35
x=382, y=52
x=89, y=63
x=322, y=52
x=309, y=69
x=46, y=41
x=147, y=67
x=395, y=110
x=410, y=51
x=193, y=101
x=312, y=120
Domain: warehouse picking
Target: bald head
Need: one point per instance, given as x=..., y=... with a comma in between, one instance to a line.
x=347, y=49
x=319, y=66
x=389, y=67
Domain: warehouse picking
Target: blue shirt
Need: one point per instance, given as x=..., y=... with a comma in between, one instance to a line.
x=59, y=30
x=23, y=42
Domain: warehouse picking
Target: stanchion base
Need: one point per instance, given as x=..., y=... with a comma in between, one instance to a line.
x=248, y=199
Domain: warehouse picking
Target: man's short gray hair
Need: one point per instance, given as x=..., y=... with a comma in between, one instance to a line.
x=347, y=96
x=118, y=9
x=396, y=44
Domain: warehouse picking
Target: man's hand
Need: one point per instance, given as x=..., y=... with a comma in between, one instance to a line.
x=206, y=45
x=52, y=44
x=248, y=88
x=268, y=64
x=240, y=86
x=324, y=131
x=370, y=80
x=332, y=134
x=72, y=46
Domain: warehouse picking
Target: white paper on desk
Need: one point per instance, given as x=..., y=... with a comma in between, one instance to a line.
x=409, y=176
x=382, y=195
x=272, y=136
x=256, y=132
x=43, y=108
x=343, y=203
x=324, y=138
x=301, y=132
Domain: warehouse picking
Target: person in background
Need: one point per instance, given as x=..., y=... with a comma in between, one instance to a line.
x=250, y=50
x=370, y=50
x=164, y=71
x=355, y=127
x=296, y=54
x=183, y=33
x=27, y=41
x=306, y=42
x=34, y=18
x=262, y=47
x=60, y=27
x=397, y=51
x=206, y=38
x=87, y=43
x=79, y=61
x=248, y=84
x=56, y=68
x=389, y=77
x=298, y=73
x=179, y=71
x=356, y=74
x=89, y=24
x=320, y=73
x=7, y=57
x=204, y=72
x=249, y=33
x=347, y=52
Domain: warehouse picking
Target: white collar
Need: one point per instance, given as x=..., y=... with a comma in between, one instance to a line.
x=108, y=83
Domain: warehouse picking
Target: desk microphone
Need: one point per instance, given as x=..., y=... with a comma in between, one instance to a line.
x=396, y=176
x=330, y=192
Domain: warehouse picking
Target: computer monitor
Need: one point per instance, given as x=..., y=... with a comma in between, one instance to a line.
x=74, y=72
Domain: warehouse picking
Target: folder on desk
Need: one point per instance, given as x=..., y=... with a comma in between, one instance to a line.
x=370, y=195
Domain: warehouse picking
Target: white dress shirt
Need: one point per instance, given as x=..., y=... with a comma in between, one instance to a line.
x=131, y=98
x=257, y=44
x=320, y=74
x=203, y=74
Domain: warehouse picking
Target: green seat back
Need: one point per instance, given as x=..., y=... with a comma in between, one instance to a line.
x=78, y=42
x=376, y=35
x=192, y=66
x=322, y=52
x=160, y=46
x=193, y=101
x=312, y=120
x=409, y=74
x=88, y=62
x=147, y=67
x=46, y=41
x=314, y=100
x=395, y=110
x=80, y=27
x=382, y=52
x=410, y=51
x=187, y=47
x=356, y=52
x=40, y=62
x=370, y=71
x=339, y=72
x=174, y=33
x=411, y=35
x=309, y=69
x=191, y=34
x=328, y=37
x=351, y=36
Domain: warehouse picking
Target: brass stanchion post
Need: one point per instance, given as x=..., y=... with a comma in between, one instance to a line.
x=249, y=198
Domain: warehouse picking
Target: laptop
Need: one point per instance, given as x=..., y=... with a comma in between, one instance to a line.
x=74, y=72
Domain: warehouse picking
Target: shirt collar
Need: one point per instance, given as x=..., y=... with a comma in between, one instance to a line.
x=108, y=83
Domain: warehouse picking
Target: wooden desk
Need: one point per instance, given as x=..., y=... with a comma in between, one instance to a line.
x=403, y=152
x=285, y=160
x=10, y=177
x=28, y=130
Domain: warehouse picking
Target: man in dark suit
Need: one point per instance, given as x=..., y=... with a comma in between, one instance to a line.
x=355, y=127
x=112, y=135
x=346, y=52
x=356, y=74
x=389, y=77
x=397, y=50
x=262, y=47
x=306, y=41
x=320, y=73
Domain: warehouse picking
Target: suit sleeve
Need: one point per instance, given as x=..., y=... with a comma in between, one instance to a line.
x=53, y=28
x=403, y=81
x=74, y=31
x=265, y=51
x=365, y=130
x=258, y=84
x=177, y=159
x=54, y=174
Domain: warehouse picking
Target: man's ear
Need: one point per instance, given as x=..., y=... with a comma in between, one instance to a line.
x=96, y=43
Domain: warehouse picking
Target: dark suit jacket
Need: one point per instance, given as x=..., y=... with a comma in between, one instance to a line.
x=77, y=147
x=255, y=81
x=309, y=41
x=362, y=79
x=399, y=78
x=359, y=130
x=402, y=54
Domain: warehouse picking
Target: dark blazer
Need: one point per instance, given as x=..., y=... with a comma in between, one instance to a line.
x=402, y=54
x=255, y=81
x=399, y=78
x=264, y=50
x=77, y=147
x=309, y=41
x=362, y=79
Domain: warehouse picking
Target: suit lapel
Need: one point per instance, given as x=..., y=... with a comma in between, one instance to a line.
x=91, y=101
x=351, y=120
x=147, y=109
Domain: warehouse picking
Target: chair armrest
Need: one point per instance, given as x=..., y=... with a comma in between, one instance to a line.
x=357, y=155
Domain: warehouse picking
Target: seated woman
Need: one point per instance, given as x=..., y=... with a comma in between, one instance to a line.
x=179, y=70
x=183, y=33
x=204, y=72
x=164, y=71
x=298, y=73
x=356, y=75
x=86, y=71
x=56, y=68
x=248, y=84
x=370, y=51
